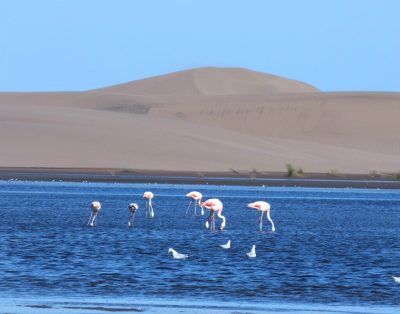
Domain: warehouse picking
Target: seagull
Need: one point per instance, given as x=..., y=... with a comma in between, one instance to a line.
x=252, y=253
x=227, y=245
x=396, y=279
x=177, y=255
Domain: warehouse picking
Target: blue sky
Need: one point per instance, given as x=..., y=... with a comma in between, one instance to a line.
x=50, y=45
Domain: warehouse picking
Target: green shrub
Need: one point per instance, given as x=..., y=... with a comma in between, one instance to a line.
x=292, y=171
x=334, y=172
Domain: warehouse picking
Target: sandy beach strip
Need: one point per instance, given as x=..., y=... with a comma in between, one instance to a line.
x=101, y=306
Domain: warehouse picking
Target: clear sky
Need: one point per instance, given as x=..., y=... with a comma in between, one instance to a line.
x=50, y=45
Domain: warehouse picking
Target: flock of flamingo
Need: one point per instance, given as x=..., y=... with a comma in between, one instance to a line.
x=214, y=205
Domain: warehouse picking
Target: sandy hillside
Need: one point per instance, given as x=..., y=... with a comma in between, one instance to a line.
x=207, y=119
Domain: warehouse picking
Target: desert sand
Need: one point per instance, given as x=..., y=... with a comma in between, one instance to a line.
x=209, y=119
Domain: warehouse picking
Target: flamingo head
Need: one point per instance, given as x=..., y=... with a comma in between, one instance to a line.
x=254, y=206
x=133, y=207
x=205, y=204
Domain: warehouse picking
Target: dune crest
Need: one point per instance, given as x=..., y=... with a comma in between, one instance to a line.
x=212, y=81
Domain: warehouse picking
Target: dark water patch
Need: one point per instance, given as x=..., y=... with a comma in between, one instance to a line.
x=38, y=306
x=104, y=309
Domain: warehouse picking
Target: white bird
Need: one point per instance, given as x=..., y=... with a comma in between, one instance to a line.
x=227, y=245
x=177, y=255
x=396, y=279
x=252, y=253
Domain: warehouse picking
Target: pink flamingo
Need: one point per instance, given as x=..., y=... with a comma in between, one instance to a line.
x=262, y=207
x=96, y=206
x=196, y=197
x=215, y=206
x=149, y=196
x=133, y=207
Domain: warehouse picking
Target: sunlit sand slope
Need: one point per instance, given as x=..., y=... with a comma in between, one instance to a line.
x=206, y=119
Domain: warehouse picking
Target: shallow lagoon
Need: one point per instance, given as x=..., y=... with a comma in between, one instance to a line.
x=332, y=246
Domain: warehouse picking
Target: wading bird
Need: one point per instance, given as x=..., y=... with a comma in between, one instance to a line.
x=96, y=206
x=262, y=207
x=227, y=245
x=149, y=196
x=177, y=255
x=252, y=253
x=133, y=207
x=196, y=197
x=214, y=205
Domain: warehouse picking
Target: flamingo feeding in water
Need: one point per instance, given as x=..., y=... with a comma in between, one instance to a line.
x=214, y=205
x=149, y=196
x=196, y=197
x=262, y=207
x=133, y=207
x=96, y=206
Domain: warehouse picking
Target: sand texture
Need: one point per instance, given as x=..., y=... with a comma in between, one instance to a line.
x=206, y=119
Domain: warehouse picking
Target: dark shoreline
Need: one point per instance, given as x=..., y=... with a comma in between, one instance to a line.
x=191, y=177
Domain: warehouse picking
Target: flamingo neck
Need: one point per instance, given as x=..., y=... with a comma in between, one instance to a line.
x=270, y=220
x=223, y=219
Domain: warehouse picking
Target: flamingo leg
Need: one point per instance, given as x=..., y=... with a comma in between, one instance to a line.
x=151, y=210
x=93, y=222
x=130, y=220
x=213, y=221
x=195, y=208
x=187, y=209
x=261, y=221
x=90, y=219
x=208, y=221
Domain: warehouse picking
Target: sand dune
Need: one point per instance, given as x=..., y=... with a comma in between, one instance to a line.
x=206, y=119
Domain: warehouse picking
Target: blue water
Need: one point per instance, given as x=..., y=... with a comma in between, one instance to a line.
x=332, y=246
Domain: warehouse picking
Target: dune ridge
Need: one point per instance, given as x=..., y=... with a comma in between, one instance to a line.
x=206, y=119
